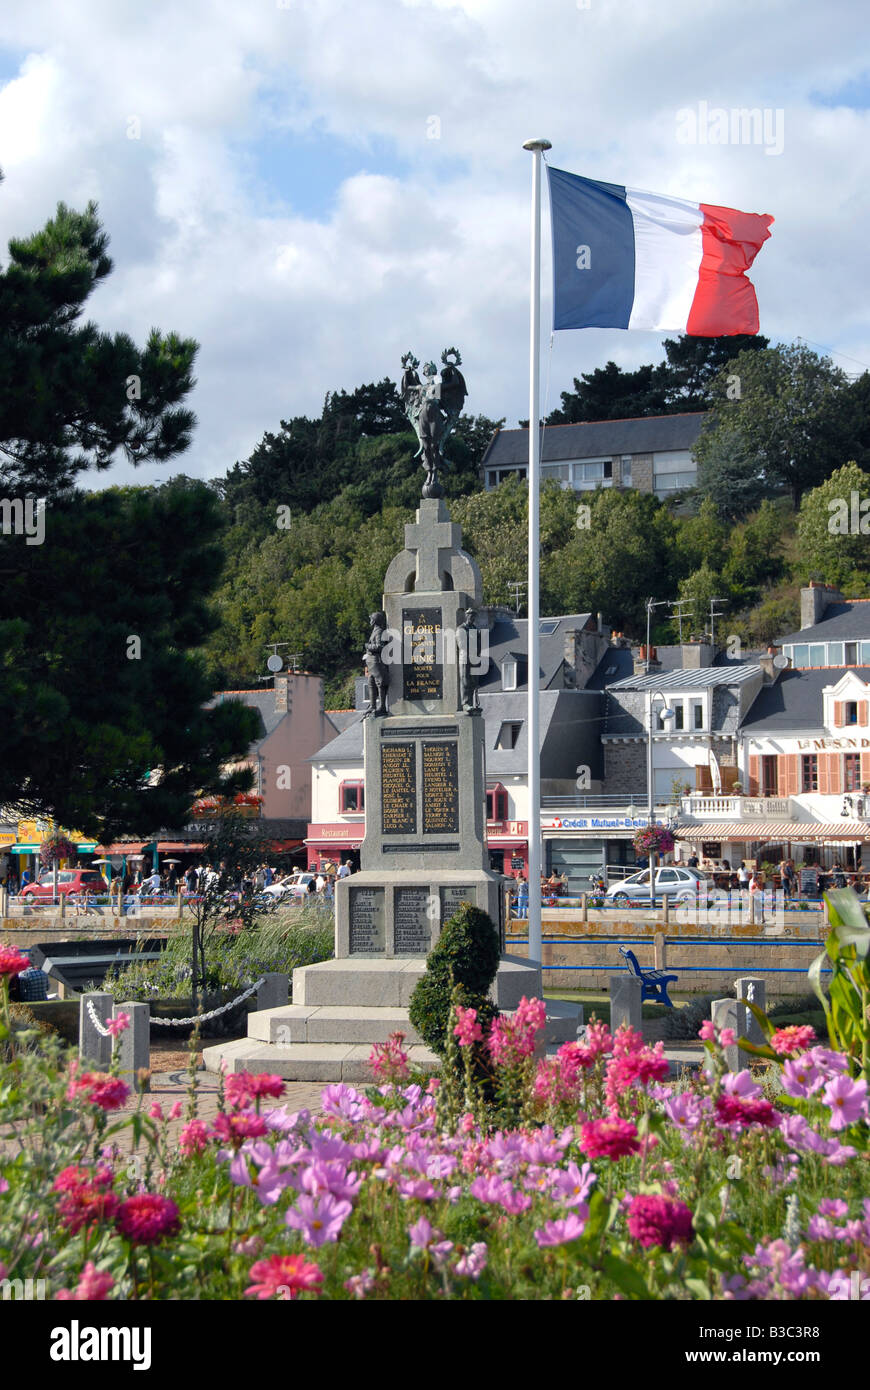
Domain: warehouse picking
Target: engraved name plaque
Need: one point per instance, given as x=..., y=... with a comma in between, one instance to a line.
x=452, y=897
x=422, y=655
x=367, y=923
x=398, y=789
x=413, y=925
x=440, y=788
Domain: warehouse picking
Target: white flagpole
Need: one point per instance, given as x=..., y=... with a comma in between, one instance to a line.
x=535, y=948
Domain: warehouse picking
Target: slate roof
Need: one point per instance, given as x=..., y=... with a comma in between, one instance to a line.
x=704, y=679
x=598, y=439
x=511, y=636
x=263, y=701
x=840, y=622
x=794, y=703
x=340, y=718
x=347, y=747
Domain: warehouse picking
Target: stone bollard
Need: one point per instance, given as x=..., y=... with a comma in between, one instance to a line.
x=666, y=910
x=4, y=901
x=274, y=992
x=62, y=904
x=179, y=903
x=725, y=1014
x=584, y=908
x=94, y=1049
x=753, y=989
x=625, y=1005
x=660, y=946
x=134, y=1044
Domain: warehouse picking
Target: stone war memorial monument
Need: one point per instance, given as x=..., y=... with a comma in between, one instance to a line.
x=425, y=849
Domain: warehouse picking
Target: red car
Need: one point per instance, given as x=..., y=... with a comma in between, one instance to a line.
x=68, y=881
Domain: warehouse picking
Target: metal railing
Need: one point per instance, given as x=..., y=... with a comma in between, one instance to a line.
x=592, y=799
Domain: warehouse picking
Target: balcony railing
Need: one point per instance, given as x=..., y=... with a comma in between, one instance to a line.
x=736, y=807
x=589, y=800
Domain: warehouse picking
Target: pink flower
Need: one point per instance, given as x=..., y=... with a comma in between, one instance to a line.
x=175, y=1112
x=235, y=1129
x=243, y=1086
x=319, y=1219
x=94, y=1285
x=794, y=1038
x=472, y=1264
x=283, y=1277
x=147, y=1219
x=847, y=1099
x=117, y=1026
x=727, y=1038
x=733, y=1112
x=84, y=1205
x=156, y=1110
x=686, y=1110
x=564, y=1231
x=467, y=1029
x=99, y=1088
x=193, y=1138
x=12, y=962
x=662, y=1221
x=572, y=1185
x=512, y=1037
x=609, y=1138
x=360, y=1284
x=389, y=1060
x=800, y=1078
x=707, y=1031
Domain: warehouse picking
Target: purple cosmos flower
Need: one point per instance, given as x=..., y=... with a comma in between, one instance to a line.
x=343, y=1102
x=572, y=1185
x=686, y=1110
x=847, y=1099
x=835, y=1208
x=741, y=1084
x=801, y=1078
x=331, y=1177
x=828, y=1061
x=419, y=1188
x=319, y=1219
x=561, y=1232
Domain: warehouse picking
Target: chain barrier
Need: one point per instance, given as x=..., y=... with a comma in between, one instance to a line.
x=180, y=1022
x=203, y=1018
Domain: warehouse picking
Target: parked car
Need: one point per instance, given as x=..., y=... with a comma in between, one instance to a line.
x=68, y=881
x=296, y=886
x=684, y=885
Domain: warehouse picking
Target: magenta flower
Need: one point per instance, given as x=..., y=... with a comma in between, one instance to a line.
x=800, y=1077
x=564, y=1231
x=147, y=1219
x=656, y=1220
x=572, y=1185
x=319, y=1219
x=795, y=1038
x=119, y=1025
x=99, y=1088
x=847, y=1099
x=609, y=1138
x=12, y=962
x=686, y=1110
x=243, y=1087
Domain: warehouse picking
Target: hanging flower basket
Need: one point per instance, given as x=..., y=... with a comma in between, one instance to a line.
x=653, y=839
x=53, y=850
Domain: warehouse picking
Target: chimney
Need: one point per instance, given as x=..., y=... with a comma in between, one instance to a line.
x=696, y=656
x=600, y=618
x=771, y=672
x=814, y=600
x=282, y=694
x=642, y=666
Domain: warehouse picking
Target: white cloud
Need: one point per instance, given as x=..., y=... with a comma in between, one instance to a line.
x=211, y=237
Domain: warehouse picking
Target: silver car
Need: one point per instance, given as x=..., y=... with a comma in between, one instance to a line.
x=684, y=885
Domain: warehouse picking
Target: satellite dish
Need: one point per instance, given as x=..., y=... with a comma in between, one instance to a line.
x=274, y=662
x=780, y=661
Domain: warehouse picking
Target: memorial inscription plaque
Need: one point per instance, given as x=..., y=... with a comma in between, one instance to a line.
x=413, y=926
x=422, y=672
x=440, y=788
x=452, y=897
x=398, y=789
x=367, y=921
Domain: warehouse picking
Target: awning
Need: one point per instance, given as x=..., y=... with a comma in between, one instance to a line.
x=86, y=849
x=164, y=846
x=124, y=847
x=795, y=832
x=24, y=849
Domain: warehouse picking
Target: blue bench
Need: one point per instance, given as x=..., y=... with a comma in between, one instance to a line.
x=654, y=983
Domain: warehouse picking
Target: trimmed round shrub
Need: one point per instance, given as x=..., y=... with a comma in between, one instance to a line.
x=466, y=955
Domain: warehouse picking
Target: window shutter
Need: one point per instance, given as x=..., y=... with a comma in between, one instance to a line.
x=835, y=773
x=792, y=774
x=823, y=773
x=864, y=712
x=865, y=769
x=753, y=774
x=839, y=718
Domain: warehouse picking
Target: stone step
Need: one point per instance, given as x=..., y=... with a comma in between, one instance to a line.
x=390, y=983
x=326, y=1062
x=346, y=1023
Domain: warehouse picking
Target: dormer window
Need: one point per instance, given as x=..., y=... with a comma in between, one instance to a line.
x=509, y=673
x=497, y=803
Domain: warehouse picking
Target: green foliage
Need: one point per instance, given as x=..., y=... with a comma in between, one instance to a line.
x=846, y=999
x=464, y=958
x=785, y=416
x=730, y=475
x=830, y=543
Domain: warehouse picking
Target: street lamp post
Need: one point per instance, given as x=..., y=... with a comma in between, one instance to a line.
x=666, y=714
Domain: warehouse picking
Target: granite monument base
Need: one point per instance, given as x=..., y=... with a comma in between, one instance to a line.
x=388, y=916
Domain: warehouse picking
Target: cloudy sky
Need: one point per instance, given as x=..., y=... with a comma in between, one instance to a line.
x=311, y=187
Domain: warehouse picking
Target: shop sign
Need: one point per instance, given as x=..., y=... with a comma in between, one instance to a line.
x=844, y=743
x=594, y=823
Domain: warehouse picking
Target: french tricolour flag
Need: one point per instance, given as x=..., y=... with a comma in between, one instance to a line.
x=627, y=259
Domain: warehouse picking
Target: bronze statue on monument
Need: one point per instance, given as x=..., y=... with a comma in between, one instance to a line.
x=433, y=407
